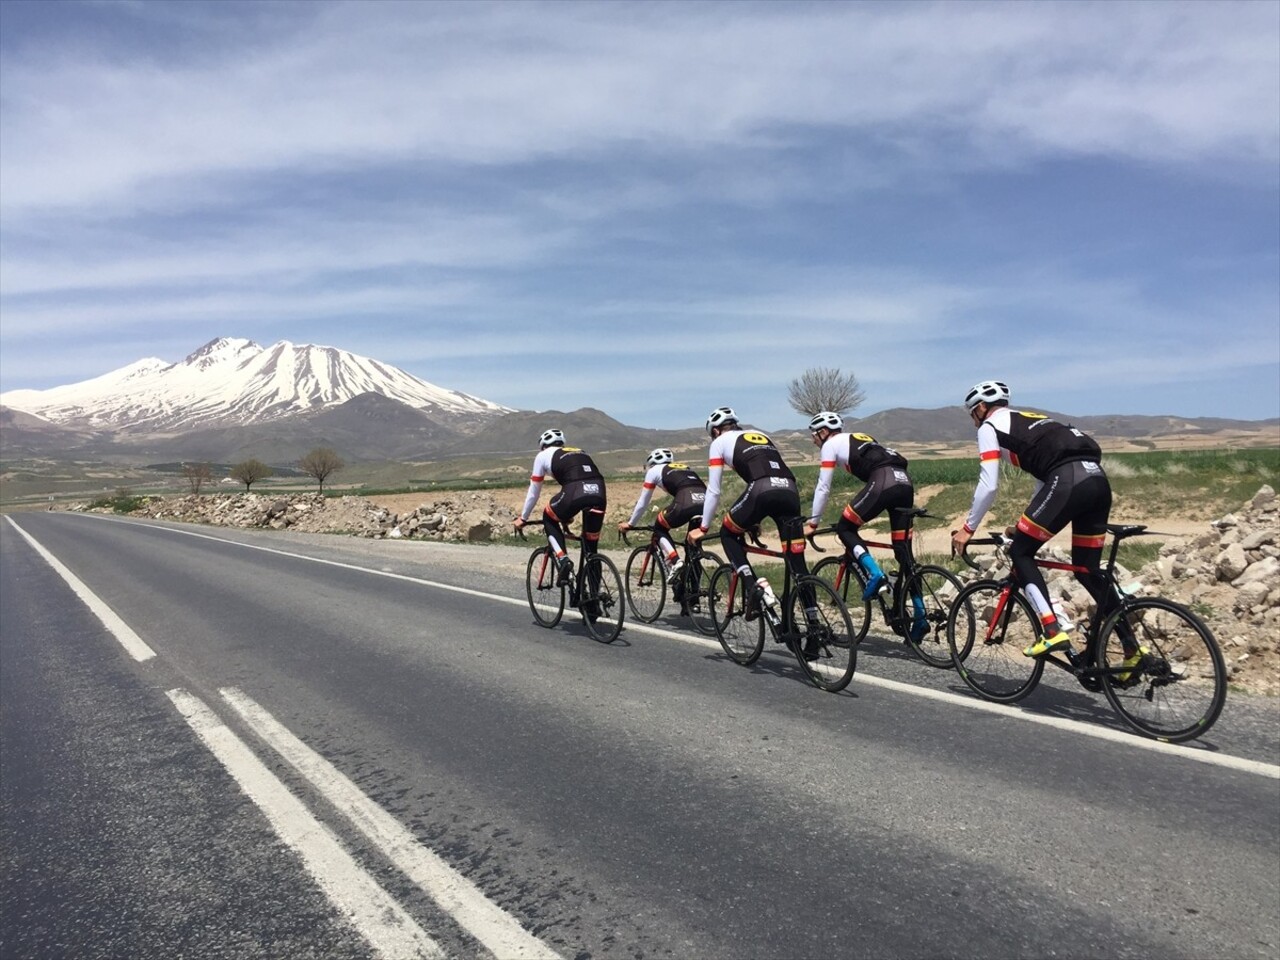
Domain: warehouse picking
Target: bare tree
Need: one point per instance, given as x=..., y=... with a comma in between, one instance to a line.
x=250, y=472
x=825, y=388
x=197, y=475
x=319, y=463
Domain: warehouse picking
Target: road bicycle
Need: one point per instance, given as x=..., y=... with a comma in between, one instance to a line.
x=824, y=646
x=646, y=581
x=1156, y=662
x=594, y=590
x=917, y=606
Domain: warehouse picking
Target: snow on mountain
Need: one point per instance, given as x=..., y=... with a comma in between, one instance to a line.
x=231, y=380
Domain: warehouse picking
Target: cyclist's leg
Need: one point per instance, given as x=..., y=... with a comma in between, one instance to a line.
x=1046, y=514
x=1091, y=502
x=662, y=533
x=864, y=507
x=745, y=513
x=556, y=539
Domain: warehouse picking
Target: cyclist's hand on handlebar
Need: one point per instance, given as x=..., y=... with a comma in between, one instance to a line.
x=811, y=528
x=959, y=540
x=624, y=526
x=696, y=534
x=519, y=522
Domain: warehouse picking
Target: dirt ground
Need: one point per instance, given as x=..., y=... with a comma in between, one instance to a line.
x=928, y=541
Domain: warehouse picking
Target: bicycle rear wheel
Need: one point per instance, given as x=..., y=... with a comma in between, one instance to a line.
x=645, y=583
x=696, y=599
x=743, y=641
x=1178, y=689
x=825, y=644
x=987, y=630
x=602, y=605
x=923, y=606
x=842, y=580
x=546, y=600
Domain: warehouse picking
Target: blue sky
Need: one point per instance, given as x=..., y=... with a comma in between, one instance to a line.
x=655, y=209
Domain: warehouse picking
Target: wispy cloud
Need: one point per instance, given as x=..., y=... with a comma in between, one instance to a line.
x=710, y=195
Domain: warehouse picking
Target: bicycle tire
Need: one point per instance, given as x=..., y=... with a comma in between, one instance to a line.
x=742, y=640
x=1179, y=689
x=842, y=582
x=602, y=587
x=696, y=600
x=829, y=639
x=646, y=584
x=936, y=588
x=988, y=656
x=546, y=600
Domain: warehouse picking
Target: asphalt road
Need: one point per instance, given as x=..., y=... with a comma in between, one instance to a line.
x=332, y=753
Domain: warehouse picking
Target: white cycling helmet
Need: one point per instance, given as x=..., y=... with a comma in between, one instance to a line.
x=828, y=419
x=659, y=456
x=988, y=391
x=551, y=438
x=720, y=416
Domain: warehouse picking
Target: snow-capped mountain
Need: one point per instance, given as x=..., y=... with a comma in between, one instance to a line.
x=234, y=381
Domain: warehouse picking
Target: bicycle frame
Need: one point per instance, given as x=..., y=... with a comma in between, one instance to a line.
x=1077, y=664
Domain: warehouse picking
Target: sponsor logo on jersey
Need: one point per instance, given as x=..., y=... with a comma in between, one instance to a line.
x=591, y=488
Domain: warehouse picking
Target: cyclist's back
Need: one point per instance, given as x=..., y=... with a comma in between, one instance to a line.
x=771, y=492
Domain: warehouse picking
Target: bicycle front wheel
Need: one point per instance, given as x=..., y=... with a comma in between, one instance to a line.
x=696, y=599
x=646, y=585
x=602, y=603
x=989, y=625
x=1177, y=690
x=923, y=607
x=825, y=643
x=849, y=589
x=546, y=600
x=741, y=639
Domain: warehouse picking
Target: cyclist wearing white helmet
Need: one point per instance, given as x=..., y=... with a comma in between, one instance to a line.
x=1071, y=487
x=883, y=472
x=688, y=494
x=581, y=491
x=771, y=492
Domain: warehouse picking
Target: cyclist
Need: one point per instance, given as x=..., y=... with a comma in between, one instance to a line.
x=1071, y=487
x=581, y=491
x=771, y=492
x=688, y=494
x=887, y=484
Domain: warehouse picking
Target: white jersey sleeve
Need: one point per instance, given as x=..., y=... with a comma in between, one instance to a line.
x=830, y=457
x=721, y=453
x=989, y=452
x=651, y=481
x=541, y=467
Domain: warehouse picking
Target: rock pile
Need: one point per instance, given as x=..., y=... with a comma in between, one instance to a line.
x=469, y=517
x=1229, y=576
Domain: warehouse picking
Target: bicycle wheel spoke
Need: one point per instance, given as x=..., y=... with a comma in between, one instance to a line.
x=925, y=603
x=849, y=590
x=825, y=644
x=987, y=631
x=741, y=639
x=602, y=604
x=1180, y=684
x=696, y=599
x=645, y=585
x=546, y=600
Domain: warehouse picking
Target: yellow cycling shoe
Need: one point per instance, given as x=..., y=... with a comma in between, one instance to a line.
x=1059, y=641
x=1131, y=662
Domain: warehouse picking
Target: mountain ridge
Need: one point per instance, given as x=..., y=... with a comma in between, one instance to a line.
x=232, y=398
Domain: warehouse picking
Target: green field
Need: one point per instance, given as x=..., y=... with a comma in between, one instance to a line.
x=1196, y=485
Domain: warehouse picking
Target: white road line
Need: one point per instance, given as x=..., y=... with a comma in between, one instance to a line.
x=133, y=644
x=496, y=929
x=390, y=931
x=1008, y=712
